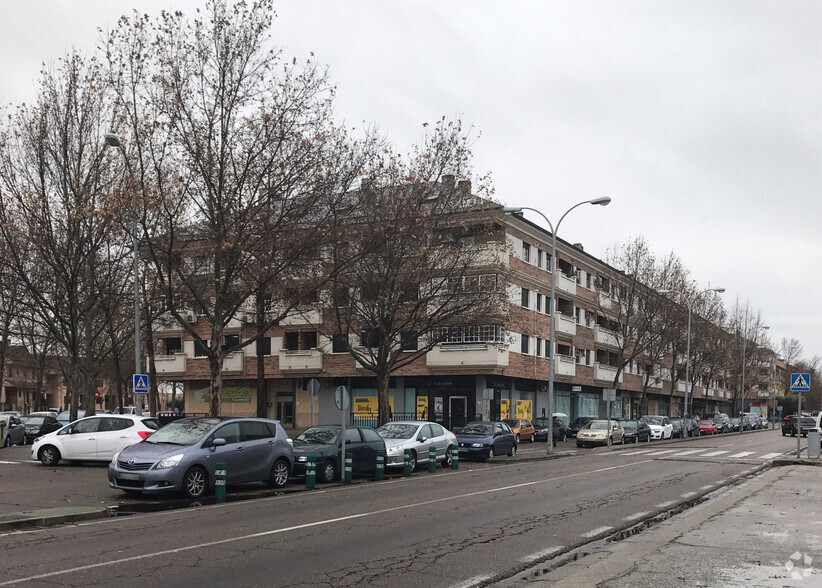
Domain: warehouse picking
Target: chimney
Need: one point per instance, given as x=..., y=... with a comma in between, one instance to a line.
x=448, y=181
x=579, y=246
x=465, y=186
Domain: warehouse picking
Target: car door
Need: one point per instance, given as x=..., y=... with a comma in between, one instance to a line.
x=372, y=443
x=18, y=430
x=502, y=444
x=439, y=439
x=50, y=425
x=355, y=446
x=113, y=436
x=231, y=454
x=258, y=452
x=79, y=440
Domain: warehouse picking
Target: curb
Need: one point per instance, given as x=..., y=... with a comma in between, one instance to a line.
x=51, y=516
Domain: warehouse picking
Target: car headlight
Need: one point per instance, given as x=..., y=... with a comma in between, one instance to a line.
x=169, y=462
x=392, y=450
x=114, y=459
x=477, y=445
x=302, y=458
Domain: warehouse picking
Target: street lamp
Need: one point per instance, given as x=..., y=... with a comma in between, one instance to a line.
x=518, y=209
x=113, y=140
x=742, y=386
x=690, y=303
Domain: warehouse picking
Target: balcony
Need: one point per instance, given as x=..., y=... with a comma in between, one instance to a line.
x=487, y=355
x=681, y=387
x=655, y=382
x=304, y=317
x=605, y=300
x=565, y=365
x=566, y=284
x=234, y=363
x=170, y=364
x=303, y=360
x=606, y=373
x=605, y=336
x=565, y=324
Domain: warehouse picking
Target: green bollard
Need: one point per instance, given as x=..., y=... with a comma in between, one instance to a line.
x=310, y=473
x=406, y=463
x=349, y=458
x=432, y=459
x=219, y=482
x=455, y=458
x=378, y=473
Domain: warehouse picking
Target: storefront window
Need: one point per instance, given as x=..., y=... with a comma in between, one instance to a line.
x=588, y=405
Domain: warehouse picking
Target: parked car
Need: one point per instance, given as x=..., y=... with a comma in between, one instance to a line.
x=752, y=420
x=723, y=423
x=737, y=424
x=541, y=429
x=789, y=426
x=417, y=436
x=64, y=416
x=485, y=439
x=38, y=424
x=635, y=431
x=94, y=438
x=661, y=427
x=16, y=413
x=679, y=429
x=600, y=432
x=182, y=456
x=523, y=429
x=694, y=426
x=324, y=444
x=14, y=431
x=708, y=427
x=578, y=423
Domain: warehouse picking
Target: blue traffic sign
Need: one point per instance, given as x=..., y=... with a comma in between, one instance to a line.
x=800, y=382
x=140, y=384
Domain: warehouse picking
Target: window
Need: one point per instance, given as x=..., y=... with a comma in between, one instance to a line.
x=540, y=256
x=578, y=315
x=230, y=341
x=526, y=298
x=173, y=345
x=115, y=424
x=526, y=252
x=300, y=340
x=539, y=347
x=264, y=346
x=338, y=343
x=229, y=432
x=87, y=426
x=470, y=334
x=410, y=341
x=436, y=431
x=525, y=344
x=371, y=436
x=579, y=277
x=352, y=436
x=580, y=357
x=539, y=302
x=370, y=337
x=200, y=349
x=254, y=431
x=549, y=262
x=589, y=319
x=589, y=357
x=589, y=281
x=292, y=340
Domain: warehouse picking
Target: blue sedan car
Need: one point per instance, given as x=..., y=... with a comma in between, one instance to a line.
x=485, y=439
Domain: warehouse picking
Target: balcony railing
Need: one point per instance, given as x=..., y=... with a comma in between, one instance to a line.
x=565, y=365
x=306, y=360
x=468, y=355
x=655, y=382
x=566, y=284
x=605, y=373
x=170, y=364
x=605, y=336
x=304, y=317
x=566, y=324
x=605, y=300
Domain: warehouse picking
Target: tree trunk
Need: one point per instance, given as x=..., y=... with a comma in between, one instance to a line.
x=216, y=365
x=262, y=388
x=153, y=391
x=383, y=401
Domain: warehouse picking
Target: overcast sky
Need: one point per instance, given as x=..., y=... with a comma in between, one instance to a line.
x=701, y=120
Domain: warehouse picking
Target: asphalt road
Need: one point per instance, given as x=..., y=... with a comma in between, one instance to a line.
x=471, y=527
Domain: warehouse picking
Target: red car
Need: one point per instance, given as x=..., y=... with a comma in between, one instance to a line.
x=707, y=427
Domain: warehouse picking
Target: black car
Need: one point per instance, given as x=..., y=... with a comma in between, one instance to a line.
x=679, y=430
x=636, y=431
x=38, y=424
x=324, y=444
x=723, y=422
x=541, y=429
x=789, y=426
x=578, y=423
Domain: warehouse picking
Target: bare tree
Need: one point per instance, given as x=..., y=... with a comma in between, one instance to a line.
x=747, y=338
x=419, y=260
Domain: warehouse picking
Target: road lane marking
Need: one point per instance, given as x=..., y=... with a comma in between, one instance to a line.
x=728, y=445
x=635, y=516
x=636, y=452
x=541, y=554
x=473, y=581
x=707, y=487
x=10, y=462
x=769, y=456
x=742, y=454
x=666, y=504
x=595, y=532
x=688, y=494
x=271, y=532
x=714, y=453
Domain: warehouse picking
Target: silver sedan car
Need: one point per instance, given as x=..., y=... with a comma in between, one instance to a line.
x=183, y=456
x=418, y=436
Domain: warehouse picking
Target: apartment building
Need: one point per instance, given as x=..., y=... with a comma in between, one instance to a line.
x=484, y=371
x=19, y=390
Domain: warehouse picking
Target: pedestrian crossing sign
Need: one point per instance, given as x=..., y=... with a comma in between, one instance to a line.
x=140, y=384
x=800, y=382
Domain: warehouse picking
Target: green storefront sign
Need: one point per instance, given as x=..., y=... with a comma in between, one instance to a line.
x=233, y=392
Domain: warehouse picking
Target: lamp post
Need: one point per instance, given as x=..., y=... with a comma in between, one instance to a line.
x=742, y=384
x=690, y=304
x=518, y=209
x=786, y=352
x=113, y=140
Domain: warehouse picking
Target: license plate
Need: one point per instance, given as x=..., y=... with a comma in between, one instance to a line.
x=128, y=476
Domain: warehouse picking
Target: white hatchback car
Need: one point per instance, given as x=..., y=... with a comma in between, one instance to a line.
x=94, y=438
x=661, y=426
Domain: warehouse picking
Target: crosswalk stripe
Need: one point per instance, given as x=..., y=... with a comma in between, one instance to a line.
x=691, y=451
x=713, y=453
x=769, y=456
x=743, y=454
x=635, y=452
x=663, y=452
x=595, y=532
x=10, y=462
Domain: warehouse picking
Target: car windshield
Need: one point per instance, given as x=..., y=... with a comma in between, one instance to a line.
x=511, y=422
x=477, y=429
x=706, y=422
x=397, y=431
x=66, y=415
x=651, y=420
x=318, y=435
x=629, y=424
x=541, y=421
x=183, y=432
x=582, y=420
x=32, y=420
x=598, y=425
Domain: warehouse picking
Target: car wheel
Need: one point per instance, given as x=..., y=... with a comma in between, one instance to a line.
x=195, y=482
x=623, y=439
x=579, y=444
x=532, y=438
x=279, y=474
x=328, y=472
x=517, y=437
x=48, y=455
x=513, y=452
x=783, y=434
x=491, y=453
x=413, y=460
x=610, y=441
x=448, y=460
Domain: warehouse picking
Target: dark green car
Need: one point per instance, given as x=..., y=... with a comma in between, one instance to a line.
x=324, y=445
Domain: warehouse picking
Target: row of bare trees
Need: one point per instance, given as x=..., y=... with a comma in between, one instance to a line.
x=243, y=191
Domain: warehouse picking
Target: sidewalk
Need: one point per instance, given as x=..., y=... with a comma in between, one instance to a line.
x=763, y=532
